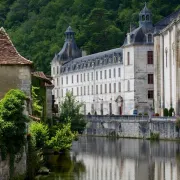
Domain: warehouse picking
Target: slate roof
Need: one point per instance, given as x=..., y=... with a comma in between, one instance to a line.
x=8, y=53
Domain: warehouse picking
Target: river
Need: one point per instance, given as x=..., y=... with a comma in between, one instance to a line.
x=100, y=158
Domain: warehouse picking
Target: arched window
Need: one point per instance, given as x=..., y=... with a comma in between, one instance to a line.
x=143, y=17
x=149, y=38
x=147, y=18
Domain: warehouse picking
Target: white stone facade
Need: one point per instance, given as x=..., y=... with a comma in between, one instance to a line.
x=167, y=69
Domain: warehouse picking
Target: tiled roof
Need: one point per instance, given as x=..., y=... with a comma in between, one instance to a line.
x=41, y=75
x=8, y=53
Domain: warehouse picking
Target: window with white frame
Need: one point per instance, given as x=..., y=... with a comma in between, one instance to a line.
x=119, y=72
x=109, y=73
x=105, y=74
x=114, y=87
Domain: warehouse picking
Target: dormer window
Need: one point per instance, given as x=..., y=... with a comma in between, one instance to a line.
x=149, y=38
x=147, y=18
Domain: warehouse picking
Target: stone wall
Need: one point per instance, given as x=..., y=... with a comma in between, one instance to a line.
x=15, y=77
x=131, y=126
x=20, y=168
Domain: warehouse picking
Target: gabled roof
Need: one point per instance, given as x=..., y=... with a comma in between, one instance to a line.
x=8, y=53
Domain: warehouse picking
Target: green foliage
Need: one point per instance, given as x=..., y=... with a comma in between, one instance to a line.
x=166, y=112
x=40, y=132
x=171, y=110
x=145, y=114
x=62, y=139
x=70, y=112
x=37, y=107
x=154, y=136
x=12, y=126
x=37, y=26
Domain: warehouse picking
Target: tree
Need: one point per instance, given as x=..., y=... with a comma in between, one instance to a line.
x=70, y=111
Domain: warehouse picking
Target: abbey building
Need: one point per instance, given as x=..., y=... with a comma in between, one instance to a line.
x=118, y=81
x=121, y=81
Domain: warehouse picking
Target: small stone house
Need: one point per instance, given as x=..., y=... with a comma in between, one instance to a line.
x=15, y=70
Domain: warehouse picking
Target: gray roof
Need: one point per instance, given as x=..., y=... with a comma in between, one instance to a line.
x=145, y=10
x=70, y=50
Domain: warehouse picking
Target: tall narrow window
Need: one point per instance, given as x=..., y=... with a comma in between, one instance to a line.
x=66, y=79
x=77, y=91
x=84, y=76
x=72, y=91
x=62, y=80
x=84, y=90
x=119, y=88
x=150, y=94
x=61, y=92
x=88, y=90
x=72, y=79
x=96, y=75
x=150, y=57
x=100, y=74
x=88, y=76
x=92, y=76
x=110, y=108
x=128, y=58
x=110, y=88
x=77, y=78
x=96, y=89
x=57, y=70
x=53, y=70
x=101, y=109
x=81, y=77
x=119, y=72
x=105, y=74
x=105, y=88
x=92, y=89
x=57, y=81
x=81, y=91
x=128, y=85
x=101, y=88
x=149, y=38
x=114, y=87
x=166, y=51
x=114, y=72
x=150, y=79
x=109, y=73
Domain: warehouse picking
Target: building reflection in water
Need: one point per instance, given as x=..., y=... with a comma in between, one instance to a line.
x=127, y=159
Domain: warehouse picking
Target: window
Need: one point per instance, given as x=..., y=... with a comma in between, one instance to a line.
x=72, y=91
x=150, y=57
x=88, y=76
x=105, y=74
x=96, y=89
x=110, y=108
x=119, y=87
x=101, y=88
x=81, y=91
x=72, y=79
x=53, y=70
x=92, y=76
x=62, y=80
x=62, y=92
x=119, y=72
x=81, y=77
x=84, y=76
x=149, y=38
x=150, y=94
x=150, y=79
x=114, y=72
x=128, y=58
x=77, y=91
x=109, y=73
x=66, y=79
x=57, y=70
x=77, y=78
x=105, y=88
x=100, y=74
x=92, y=90
x=128, y=85
x=57, y=81
x=84, y=90
x=166, y=51
x=147, y=18
x=110, y=88
x=114, y=87
x=96, y=75
x=88, y=90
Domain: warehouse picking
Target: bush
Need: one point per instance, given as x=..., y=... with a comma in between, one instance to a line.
x=40, y=132
x=171, y=110
x=166, y=112
x=140, y=114
x=145, y=114
x=62, y=139
x=156, y=114
x=154, y=136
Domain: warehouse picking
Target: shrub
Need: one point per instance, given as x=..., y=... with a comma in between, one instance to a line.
x=156, y=114
x=166, y=112
x=40, y=132
x=140, y=114
x=62, y=139
x=171, y=110
x=154, y=136
x=145, y=114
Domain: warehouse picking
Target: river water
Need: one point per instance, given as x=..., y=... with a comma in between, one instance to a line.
x=99, y=158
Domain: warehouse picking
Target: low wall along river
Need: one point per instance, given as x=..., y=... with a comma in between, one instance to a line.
x=132, y=126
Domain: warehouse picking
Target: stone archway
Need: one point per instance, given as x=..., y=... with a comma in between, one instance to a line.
x=119, y=101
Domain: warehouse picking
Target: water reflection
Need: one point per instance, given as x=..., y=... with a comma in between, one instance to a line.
x=94, y=158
